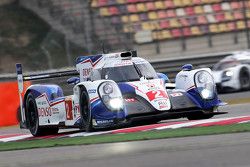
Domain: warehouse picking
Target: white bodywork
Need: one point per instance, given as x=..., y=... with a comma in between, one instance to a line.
x=185, y=79
x=154, y=92
x=66, y=110
x=244, y=61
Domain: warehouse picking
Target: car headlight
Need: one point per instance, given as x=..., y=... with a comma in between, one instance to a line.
x=205, y=84
x=227, y=75
x=111, y=95
x=202, y=78
x=107, y=88
x=116, y=103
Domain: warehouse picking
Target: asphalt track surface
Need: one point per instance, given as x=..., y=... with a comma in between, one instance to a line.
x=229, y=150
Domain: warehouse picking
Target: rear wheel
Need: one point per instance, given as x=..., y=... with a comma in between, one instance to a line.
x=33, y=119
x=244, y=79
x=85, y=111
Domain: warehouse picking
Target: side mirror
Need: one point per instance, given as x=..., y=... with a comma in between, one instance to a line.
x=187, y=67
x=73, y=80
x=164, y=77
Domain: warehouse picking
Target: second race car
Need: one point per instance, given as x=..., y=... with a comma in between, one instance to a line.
x=233, y=72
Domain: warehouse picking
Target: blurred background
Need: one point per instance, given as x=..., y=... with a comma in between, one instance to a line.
x=50, y=34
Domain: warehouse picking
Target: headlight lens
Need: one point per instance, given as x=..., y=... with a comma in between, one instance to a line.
x=107, y=88
x=202, y=77
x=227, y=75
x=116, y=103
x=111, y=95
x=205, y=84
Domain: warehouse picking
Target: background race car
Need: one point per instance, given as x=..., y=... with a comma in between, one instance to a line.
x=114, y=90
x=233, y=72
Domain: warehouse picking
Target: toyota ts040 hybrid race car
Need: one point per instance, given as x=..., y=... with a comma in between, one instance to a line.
x=233, y=72
x=113, y=90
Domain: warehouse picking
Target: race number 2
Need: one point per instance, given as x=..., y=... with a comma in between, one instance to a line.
x=152, y=95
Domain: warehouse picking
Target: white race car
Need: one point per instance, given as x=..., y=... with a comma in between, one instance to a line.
x=113, y=90
x=233, y=72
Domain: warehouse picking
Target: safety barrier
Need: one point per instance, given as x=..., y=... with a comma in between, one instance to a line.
x=9, y=103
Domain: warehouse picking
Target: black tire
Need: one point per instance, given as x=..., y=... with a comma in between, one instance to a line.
x=85, y=111
x=33, y=120
x=244, y=79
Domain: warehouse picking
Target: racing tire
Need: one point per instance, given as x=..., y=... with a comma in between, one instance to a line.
x=244, y=79
x=85, y=111
x=33, y=119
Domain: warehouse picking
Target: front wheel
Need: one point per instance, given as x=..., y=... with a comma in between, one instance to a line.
x=85, y=111
x=33, y=119
x=244, y=79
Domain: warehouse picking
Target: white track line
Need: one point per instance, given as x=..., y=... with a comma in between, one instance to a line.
x=175, y=126
x=15, y=138
x=192, y=123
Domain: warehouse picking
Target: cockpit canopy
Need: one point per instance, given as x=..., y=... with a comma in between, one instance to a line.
x=125, y=73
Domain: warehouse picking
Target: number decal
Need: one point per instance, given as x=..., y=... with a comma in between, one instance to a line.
x=152, y=95
x=68, y=107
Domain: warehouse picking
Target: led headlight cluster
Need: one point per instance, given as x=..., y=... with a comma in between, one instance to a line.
x=205, y=84
x=227, y=75
x=111, y=95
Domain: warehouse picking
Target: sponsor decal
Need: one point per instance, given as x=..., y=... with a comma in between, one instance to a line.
x=130, y=100
x=92, y=91
x=45, y=107
x=123, y=63
x=42, y=102
x=104, y=121
x=55, y=110
x=44, y=111
x=152, y=86
x=177, y=94
x=86, y=72
x=76, y=110
x=163, y=104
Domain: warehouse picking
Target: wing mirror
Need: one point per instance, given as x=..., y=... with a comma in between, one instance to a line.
x=164, y=77
x=73, y=80
x=187, y=67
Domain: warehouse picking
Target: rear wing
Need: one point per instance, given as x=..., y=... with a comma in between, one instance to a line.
x=39, y=76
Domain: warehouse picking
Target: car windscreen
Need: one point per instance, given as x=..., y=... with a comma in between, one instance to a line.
x=147, y=70
x=128, y=73
x=120, y=74
x=224, y=65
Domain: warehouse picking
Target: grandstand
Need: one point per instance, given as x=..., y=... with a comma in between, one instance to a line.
x=156, y=28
